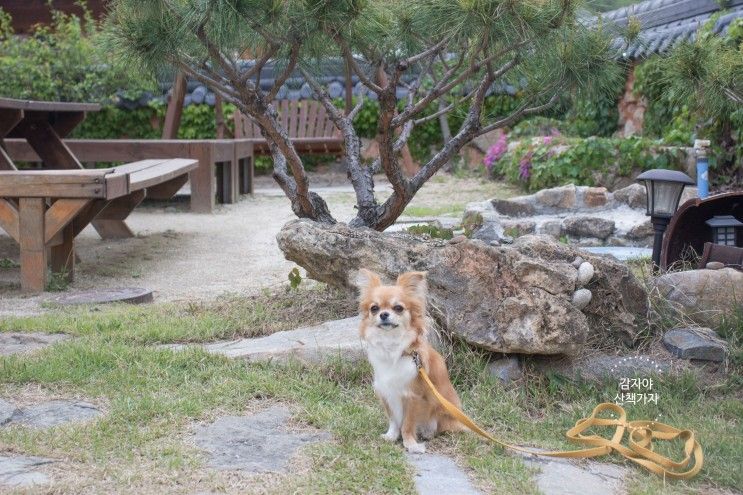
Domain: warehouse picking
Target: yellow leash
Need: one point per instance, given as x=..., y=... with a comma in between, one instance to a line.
x=641, y=436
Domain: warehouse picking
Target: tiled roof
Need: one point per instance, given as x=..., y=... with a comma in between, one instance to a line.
x=664, y=23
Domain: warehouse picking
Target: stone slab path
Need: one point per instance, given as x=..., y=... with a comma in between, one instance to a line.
x=258, y=443
x=22, y=471
x=46, y=414
x=338, y=338
x=16, y=342
x=437, y=474
x=563, y=477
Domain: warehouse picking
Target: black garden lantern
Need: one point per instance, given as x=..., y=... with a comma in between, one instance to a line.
x=725, y=229
x=664, y=188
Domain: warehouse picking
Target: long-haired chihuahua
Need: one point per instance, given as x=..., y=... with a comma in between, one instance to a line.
x=393, y=326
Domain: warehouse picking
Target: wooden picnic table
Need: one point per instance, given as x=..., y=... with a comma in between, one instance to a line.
x=44, y=210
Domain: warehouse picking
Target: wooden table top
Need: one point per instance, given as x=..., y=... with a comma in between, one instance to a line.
x=48, y=106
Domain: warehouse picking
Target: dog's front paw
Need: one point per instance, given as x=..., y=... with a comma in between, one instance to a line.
x=390, y=436
x=416, y=448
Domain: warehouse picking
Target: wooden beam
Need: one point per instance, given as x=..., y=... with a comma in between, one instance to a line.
x=175, y=107
x=60, y=214
x=167, y=190
x=5, y=162
x=51, y=149
x=33, y=248
x=9, y=219
x=9, y=118
x=87, y=215
x=65, y=122
x=62, y=255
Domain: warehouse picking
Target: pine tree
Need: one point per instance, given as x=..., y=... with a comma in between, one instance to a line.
x=450, y=50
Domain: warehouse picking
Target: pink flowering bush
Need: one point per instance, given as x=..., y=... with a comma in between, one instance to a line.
x=496, y=152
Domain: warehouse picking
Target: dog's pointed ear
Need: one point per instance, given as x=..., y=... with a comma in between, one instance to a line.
x=366, y=280
x=414, y=283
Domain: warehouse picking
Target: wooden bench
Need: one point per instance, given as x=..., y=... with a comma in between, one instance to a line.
x=307, y=124
x=44, y=210
x=225, y=165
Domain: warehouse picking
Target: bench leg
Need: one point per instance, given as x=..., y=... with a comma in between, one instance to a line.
x=247, y=171
x=202, y=179
x=226, y=182
x=63, y=255
x=33, y=249
x=110, y=222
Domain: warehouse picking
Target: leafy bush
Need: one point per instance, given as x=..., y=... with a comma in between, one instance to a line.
x=64, y=62
x=551, y=161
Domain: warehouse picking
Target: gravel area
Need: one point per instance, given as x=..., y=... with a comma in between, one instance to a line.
x=184, y=256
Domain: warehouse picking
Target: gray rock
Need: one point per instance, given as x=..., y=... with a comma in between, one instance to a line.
x=641, y=231
x=585, y=273
x=54, y=413
x=600, y=367
x=582, y=298
x=704, y=296
x=518, y=228
x=565, y=477
x=308, y=344
x=258, y=443
x=489, y=231
x=475, y=288
x=695, y=343
x=552, y=228
x=6, y=411
x=514, y=208
x=507, y=369
x=714, y=265
x=577, y=262
x=16, y=342
x=555, y=278
x=557, y=197
x=584, y=226
x=22, y=471
x=438, y=474
x=633, y=195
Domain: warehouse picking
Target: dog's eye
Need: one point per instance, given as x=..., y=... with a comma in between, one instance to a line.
x=398, y=308
x=374, y=308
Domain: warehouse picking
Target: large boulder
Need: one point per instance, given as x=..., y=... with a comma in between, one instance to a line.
x=703, y=296
x=515, y=299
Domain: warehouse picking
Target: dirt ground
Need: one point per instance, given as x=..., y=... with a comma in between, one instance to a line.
x=185, y=256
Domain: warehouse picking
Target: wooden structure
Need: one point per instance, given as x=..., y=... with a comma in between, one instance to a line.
x=225, y=165
x=688, y=231
x=44, y=210
x=28, y=13
x=307, y=123
x=731, y=256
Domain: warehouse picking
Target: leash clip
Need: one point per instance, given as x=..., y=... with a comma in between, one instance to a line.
x=417, y=359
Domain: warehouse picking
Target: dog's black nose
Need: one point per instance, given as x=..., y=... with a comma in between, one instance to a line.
x=384, y=315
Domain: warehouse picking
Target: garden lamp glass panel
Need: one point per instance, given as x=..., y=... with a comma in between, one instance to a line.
x=664, y=189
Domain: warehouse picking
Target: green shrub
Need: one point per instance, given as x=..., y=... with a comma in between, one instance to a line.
x=548, y=162
x=65, y=61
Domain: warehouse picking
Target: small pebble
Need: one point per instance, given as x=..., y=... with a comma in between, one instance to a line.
x=714, y=265
x=578, y=261
x=585, y=273
x=581, y=298
x=457, y=239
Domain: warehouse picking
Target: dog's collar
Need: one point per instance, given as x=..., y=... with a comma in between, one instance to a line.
x=416, y=358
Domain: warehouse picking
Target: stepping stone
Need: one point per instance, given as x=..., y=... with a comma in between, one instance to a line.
x=338, y=338
x=438, y=474
x=6, y=411
x=21, y=471
x=16, y=342
x=131, y=295
x=695, y=343
x=563, y=477
x=48, y=414
x=258, y=443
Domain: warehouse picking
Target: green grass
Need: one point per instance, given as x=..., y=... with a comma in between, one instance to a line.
x=153, y=396
x=434, y=211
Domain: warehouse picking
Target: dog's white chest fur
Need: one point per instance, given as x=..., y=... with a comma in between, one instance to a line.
x=393, y=372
